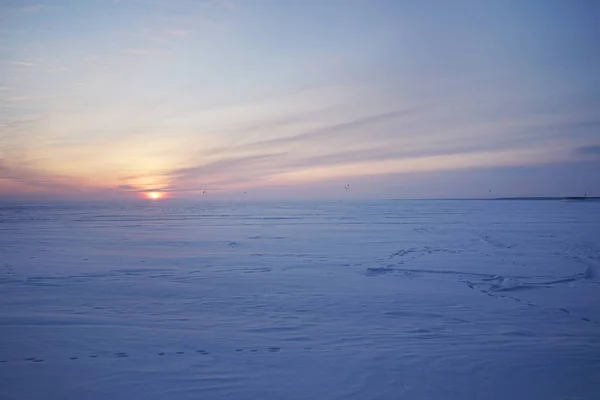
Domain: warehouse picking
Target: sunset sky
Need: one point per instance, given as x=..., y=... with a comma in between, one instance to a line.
x=298, y=98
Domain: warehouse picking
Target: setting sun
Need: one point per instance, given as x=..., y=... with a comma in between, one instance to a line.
x=154, y=195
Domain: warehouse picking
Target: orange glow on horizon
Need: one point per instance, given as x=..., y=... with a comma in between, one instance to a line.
x=154, y=195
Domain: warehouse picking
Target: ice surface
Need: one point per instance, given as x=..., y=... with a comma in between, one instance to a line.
x=306, y=300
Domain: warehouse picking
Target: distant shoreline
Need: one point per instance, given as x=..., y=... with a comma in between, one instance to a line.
x=571, y=198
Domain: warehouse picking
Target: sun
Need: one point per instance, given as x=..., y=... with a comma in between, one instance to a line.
x=154, y=195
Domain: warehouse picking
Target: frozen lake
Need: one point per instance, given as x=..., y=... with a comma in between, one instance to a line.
x=307, y=300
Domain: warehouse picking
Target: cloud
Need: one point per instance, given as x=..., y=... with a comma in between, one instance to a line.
x=34, y=8
x=58, y=69
x=371, y=145
x=168, y=189
x=228, y=4
x=36, y=178
x=127, y=187
x=16, y=98
x=14, y=127
x=178, y=32
x=341, y=131
x=22, y=63
x=141, y=52
x=593, y=150
x=217, y=170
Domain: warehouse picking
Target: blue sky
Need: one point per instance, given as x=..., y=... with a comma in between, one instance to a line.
x=104, y=98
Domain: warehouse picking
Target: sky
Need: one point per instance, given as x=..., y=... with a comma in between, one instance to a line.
x=105, y=99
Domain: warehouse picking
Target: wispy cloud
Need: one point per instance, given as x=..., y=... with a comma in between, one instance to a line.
x=34, y=8
x=410, y=137
x=228, y=4
x=216, y=170
x=58, y=69
x=22, y=63
x=178, y=32
x=16, y=98
x=36, y=178
x=260, y=169
x=127, y=188
x=593, y=150
x=141, y=52
x=168, y=35
x=344, y=131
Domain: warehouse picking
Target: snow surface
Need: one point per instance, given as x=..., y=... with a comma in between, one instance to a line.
x=306, y=300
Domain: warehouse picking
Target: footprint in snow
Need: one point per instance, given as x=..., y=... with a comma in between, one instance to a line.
x=125, y=355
